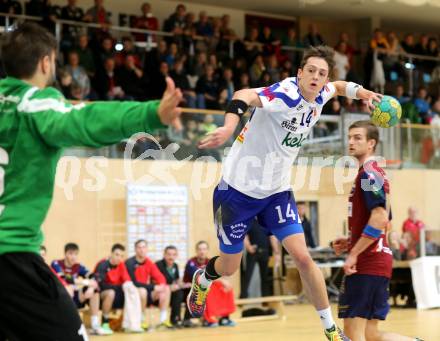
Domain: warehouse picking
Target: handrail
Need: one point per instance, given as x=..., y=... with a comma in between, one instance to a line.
x=20, y=16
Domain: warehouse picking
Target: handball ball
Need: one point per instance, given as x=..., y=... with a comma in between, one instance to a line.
x=387, y=112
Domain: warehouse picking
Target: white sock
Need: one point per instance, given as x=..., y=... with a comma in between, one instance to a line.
x=203, y=281
x=94, y=321
x=163, y=315
x=326, y=318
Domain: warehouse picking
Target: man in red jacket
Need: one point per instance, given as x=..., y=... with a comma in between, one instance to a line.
x=151, y=283
x=111, y=274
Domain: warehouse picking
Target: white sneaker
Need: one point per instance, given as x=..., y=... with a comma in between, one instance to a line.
x=101, y=331
x=134, y=330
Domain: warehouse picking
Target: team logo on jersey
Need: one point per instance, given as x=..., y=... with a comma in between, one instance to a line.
x=299, y=107
x=294, y=141
x=290, y=125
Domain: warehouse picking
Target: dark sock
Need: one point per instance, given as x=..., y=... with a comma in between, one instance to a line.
x=104, y=319
x=210, y=272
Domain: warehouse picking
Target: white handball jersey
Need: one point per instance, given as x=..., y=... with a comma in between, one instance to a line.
x=260, y=160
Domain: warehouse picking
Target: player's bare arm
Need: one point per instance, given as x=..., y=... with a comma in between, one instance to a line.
x=218, y=137
x=344, y=88
x=377, y=224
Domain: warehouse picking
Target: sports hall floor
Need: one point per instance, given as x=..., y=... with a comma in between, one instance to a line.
x=301, y=325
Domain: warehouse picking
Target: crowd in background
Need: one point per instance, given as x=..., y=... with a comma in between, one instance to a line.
x=94, y=65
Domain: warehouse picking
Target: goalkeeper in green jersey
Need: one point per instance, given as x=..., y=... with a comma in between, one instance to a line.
x=36, y=122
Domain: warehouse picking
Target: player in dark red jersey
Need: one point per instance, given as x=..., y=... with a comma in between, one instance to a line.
x=363, y=299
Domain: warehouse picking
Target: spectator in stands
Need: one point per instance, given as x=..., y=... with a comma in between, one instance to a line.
x=377, y=52
x=85, y=288
x=313, y=38
x=421, y=48
x=85, y=54
x=227, y=84
x=107, y=85
x=273, y=68
x=65, y=83
x=408, y=44
x=11, y=7
x=422, y=103
x=265, y=79
x=227, y=35
x=129, y=48
x=350, y=50
x=396, y=245
x=203, y=26
x=433, y=51
x=181, y=81
x=350, y=105
x=393, y=68
x=259, y=246
x=268, y=40
x=342, y=64
x=252, y=45
x=151, y=284
x=244, y=82
x=173, y=54
x=111, y=274
x=176, y=24
x=71, y=33
x=106, y=51
x=190, y=139
x=431, y=247
x=413, y=225
x=256, y=70
x=130, y=77
x=400, y=94
x=291, y=39
x=146, y=21
x=170, y=269
x=79, y=74
x=98, y=14
x=154, y=57
x=208, y=89
x=221, y=296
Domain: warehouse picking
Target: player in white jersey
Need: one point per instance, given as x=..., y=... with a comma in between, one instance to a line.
x=256, y=174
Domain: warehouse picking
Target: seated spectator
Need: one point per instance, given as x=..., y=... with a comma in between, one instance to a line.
x=111, y=274
x=154, y=57
x=173, y=54
x=85, y=288
x=130, y=77
x=335, y=109
x=71, y=33
x=151, y=284
x=400, y=94
x=79, y=74
x=313, y=38
x=273, y=68
x=244, y=81
x=208, y=89
x=408, y=44
x=129, y=48
x=65, y=83
x=265, y=80
x=411, y=247
x=43, y=254
x=350, y=49
x=227, y=83
x=397, y=245
x=169, y=268
x=227, y=34
x=350, y=105
x=422, y=104
x=431, y=247
x=413, y=225
x=105, y=51
x=146, y=21
x=220, y=301
x=256, y=70
x=98, y=15
x=181, y=81
x=85, y=54
x=107, y=85
x=199, y=66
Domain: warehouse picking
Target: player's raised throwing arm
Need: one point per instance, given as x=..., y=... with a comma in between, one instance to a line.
x=356, y=91
x=239, y=104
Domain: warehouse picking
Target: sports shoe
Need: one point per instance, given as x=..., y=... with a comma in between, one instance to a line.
x=188, y=324
x=145, y=325
x=134, y=330
x=335, y=334
x=101, y=331
x=226, y=322
x=197, y=296
x=208, y=324
x=165, y=326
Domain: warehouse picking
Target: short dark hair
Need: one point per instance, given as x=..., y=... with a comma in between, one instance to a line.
x=201, y=242
x=71, y=247
x=118, y=246
x=322, y=51
x=43, y=248
x=137, y=242
x=23, y=48
x=370, y=127
x=300, y=203
x=170, y=247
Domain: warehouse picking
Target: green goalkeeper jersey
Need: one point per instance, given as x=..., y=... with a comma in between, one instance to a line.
x=35, y=124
